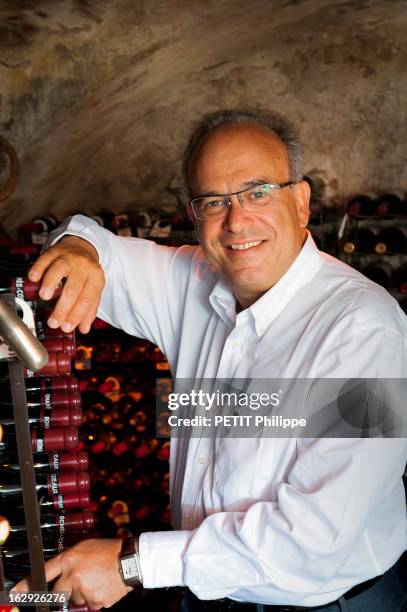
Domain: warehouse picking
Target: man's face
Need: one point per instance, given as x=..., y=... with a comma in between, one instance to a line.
x=226, y=161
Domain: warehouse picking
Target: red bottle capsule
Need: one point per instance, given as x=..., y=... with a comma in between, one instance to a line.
x=58, y=363
x=71, y=500
x=46, y=440
x=63, y=345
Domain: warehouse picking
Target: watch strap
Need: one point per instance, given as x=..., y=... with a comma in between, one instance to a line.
x=129, y=546
x=129, y=550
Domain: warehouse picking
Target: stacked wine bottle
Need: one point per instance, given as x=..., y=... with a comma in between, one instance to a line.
x=376, y=240
x=129, y=463
x=54, y=412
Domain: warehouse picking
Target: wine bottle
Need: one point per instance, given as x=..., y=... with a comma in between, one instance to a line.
x=362, y=205
x=66, y=501
x=391, y=240
x=59, y=416
x=29, y=251
x=17, y=560
x=64, y=345
x=44, y=225
x=14, y=265
x=143, y=224
x=45, y=385
x=53, y=528
x=42, y=440
x=379, y=272
x=401, y=278
x=58, y=363
x=56, y=483
x=44, y=332
x=48, y=399
x=49, y=462
x=392, y=204
x=29, y=231
x=24, y=288
x=362, y=240
x=52, y=539
x=104, y=218
x=120, y=225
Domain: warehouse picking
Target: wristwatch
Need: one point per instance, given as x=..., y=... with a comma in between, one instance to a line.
x=129, y=563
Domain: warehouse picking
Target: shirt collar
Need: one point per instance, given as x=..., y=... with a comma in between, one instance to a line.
x=270, y=305
x=223, y=301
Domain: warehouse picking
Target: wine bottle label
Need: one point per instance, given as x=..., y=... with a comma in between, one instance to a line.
x=54, y=461
x=46, y=385
x=40, y=330
x=39, y=444
x=54, y=484
x=45, y=418
x=59, y=500
x=20, y=287
x=61, y=533
x=47, y=401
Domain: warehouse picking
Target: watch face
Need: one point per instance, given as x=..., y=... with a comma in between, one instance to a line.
x=129, y=567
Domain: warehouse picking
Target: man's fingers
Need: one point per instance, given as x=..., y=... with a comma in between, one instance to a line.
x=23, y=585
x=55, y=273
x=85, y=325
x=70, y=294
x=78, y=303
x=53, y=568
x=37, y=270
x=63, y=586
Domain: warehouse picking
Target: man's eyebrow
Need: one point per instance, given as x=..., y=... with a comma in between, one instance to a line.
x=255, y=182
x=245, y=185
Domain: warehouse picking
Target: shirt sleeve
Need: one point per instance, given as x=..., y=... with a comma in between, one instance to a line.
x=145, y=283
x=297, y=545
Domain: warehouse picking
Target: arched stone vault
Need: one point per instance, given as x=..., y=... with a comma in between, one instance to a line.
x=98, y=96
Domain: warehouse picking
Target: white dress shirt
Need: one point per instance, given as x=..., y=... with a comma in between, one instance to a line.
x=273, y=521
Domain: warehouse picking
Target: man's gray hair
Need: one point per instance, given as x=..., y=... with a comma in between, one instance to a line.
x=272, y=120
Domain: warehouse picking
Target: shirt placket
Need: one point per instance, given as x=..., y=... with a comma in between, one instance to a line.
x=201, y=453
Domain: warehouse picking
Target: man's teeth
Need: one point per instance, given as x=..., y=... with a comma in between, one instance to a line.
x=246, y=245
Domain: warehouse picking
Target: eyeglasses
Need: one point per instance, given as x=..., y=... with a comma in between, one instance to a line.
x=252, y=199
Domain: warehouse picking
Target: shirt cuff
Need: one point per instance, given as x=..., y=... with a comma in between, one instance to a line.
x=72, y=226
x=161, y=558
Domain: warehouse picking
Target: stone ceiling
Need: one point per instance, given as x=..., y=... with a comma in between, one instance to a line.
x=98, y=96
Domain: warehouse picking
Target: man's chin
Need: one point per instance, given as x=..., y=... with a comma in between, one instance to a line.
x=247, y=279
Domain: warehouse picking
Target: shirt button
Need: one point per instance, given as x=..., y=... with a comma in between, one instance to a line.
x=201, y=459
x=235, y=345
x=261, y=331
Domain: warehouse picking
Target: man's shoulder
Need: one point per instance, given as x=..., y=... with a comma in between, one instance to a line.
x=356, y=300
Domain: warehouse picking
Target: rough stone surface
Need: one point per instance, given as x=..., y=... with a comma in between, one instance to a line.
x=98, y=96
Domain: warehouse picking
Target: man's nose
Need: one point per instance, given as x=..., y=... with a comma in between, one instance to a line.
x=236, y=216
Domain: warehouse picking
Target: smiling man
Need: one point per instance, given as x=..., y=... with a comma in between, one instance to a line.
x=272, y=524
x=251, y=251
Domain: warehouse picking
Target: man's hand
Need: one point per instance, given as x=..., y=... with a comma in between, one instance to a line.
x=88, y=572
x=76, y=261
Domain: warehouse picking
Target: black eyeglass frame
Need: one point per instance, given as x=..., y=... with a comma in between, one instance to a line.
x=227, y=196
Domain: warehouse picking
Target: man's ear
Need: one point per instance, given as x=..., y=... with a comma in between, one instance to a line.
x=302, y=194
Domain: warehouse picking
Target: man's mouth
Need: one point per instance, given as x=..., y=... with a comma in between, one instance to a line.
x=244, y=245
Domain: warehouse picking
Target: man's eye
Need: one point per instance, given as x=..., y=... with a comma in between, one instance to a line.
x=213, y=204
x=258, y=194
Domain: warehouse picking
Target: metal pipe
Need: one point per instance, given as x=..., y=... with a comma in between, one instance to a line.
x=22, y=342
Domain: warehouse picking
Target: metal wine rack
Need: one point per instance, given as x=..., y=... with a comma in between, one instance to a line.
x=25, y=456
